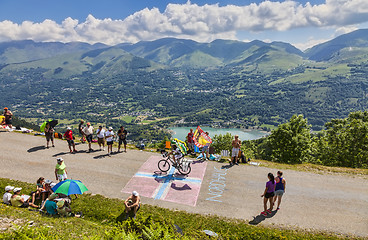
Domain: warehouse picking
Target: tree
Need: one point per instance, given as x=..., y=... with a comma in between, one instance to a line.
x=291, y=141
x=222, y=142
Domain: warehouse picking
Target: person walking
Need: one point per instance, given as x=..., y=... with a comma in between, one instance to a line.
x=80, y=129
x=236, y=143
x=49, y=133
x=60, y=170
x=69, y=138
x=8, y=117
x=88, y=132
x=268, y=194
x=109, y=140
x=100, y=132
x=122, y=133
x=279, y=189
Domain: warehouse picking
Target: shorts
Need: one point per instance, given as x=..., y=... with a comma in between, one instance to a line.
x=191, y=145
x=122, y=141
x=49, y=136
x=24, y=205
x=279, y=192
x=109, y=142
x=89, y=138
x=100, y=140
x=70, y=142
x=62, y=177
x=8, y=121
x=270, y=195
x=205, y=148
x=235, y=152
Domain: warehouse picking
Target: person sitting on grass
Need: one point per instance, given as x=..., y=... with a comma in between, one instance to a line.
x=50, y=205
x=68, y=135
x=18, y=201
x=40, y=191
x=176, y=153
x=65, y=211
x=132, y=204
x=7, y=195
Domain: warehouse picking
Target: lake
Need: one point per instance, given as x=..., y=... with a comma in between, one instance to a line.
x=181, y=132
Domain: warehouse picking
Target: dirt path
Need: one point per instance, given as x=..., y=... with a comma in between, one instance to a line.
x=331, y=203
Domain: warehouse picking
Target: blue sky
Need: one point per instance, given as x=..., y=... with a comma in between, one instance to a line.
x=301, y=23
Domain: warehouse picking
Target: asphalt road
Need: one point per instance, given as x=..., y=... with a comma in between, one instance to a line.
x=330, y=202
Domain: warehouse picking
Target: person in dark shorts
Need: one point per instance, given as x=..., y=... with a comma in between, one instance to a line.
x=100, y=132
x=190, y=141
x=49, y=133
x=8, y=117
x=109, y=136
x=268, y=194
x=279, y=189
x=68, y=135
x=80, y=128
x=88, y=132
x=122, y=133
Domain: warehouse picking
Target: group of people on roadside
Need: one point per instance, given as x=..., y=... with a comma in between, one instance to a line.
x=275, y=189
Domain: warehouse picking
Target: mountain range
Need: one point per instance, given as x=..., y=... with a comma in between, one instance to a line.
x=270, y=80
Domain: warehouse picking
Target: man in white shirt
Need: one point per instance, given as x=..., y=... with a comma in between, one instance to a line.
x=88, y=132
x=7, y=194
x=109, y=140
x=101, y=137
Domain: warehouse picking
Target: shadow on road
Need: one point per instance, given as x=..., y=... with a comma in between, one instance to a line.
x=104, y=155
x=227, y=166
x=185, y=187
x=34, y=149
x=257, y=219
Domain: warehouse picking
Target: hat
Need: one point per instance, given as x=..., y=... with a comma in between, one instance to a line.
x=53, y=196
x=59, y=159
x=110, y=128
x=60, y=204
x=5, y=108
x=88, y=123
x=17, y=189
x=52, y=184
x=9, y=188
x=68, y=128
x=135, y=193
x=48, y=181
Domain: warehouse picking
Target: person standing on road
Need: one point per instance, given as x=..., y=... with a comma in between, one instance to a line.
x=80, y=128
x=100, y=132
x=109, y=140
x=8, y=117
x=122, y=133
x=279, y=189
x=190, y=140
x=268, y=194
x=88, y=132
x=236, y=143
x=49, y=133
x=60, y=170
x=69, y=138
x=206, y=149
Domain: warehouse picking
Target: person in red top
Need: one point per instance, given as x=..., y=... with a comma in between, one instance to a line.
x=190, y=140
x=68, y=135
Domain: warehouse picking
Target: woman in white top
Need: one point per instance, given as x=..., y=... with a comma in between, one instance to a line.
x=109, y=140
x=100, y=132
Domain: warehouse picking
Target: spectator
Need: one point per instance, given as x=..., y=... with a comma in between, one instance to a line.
x=190, y=140
x=40, y=191
x=268, y=194
x=109, y=140
x=50, y=204
x=206, y=149
x=8, y=117
x=236, y=143
x=7, y=195
x=18, y=201
x=80, y=129
x=100, y=132
x=88, y=132
x=279, y=189
x=49, y=133
x=132, y=204
x=60, y=170
x=65, y=211
x=69, y=138
x=122, y=133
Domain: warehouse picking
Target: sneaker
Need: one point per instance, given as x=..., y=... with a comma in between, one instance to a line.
x=264, y=213
x=269, y=211
x=71, y=151
x=53, y=145
x=75, y=150
x=236, y=163
x=277, y=209
x=104, y=149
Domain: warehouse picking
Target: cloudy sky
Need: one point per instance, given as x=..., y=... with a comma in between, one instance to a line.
x=302, y=23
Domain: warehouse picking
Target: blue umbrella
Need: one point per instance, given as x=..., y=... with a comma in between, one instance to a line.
x=69, y=187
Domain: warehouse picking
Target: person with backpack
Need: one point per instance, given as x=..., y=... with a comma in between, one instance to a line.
x=279, y=189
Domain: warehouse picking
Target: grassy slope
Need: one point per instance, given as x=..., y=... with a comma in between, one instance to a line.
x=100, y=215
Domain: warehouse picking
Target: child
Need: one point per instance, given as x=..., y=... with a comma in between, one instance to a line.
x=268, y=194
x=69, y=138
x=7, y=195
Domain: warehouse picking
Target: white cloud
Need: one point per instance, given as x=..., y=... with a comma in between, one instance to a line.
x=201, y=23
